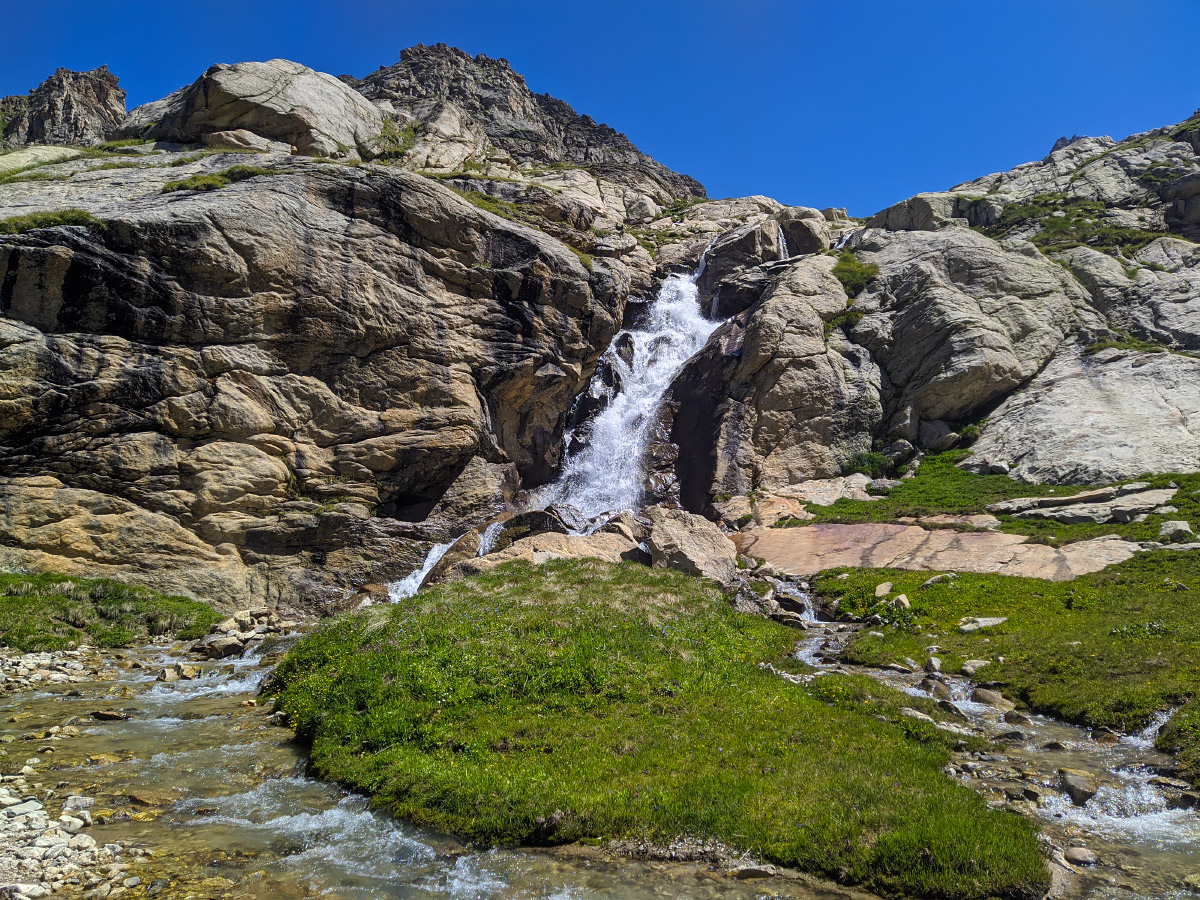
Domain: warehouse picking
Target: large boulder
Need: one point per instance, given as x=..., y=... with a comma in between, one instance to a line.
x=1101, y=418
x=278, y=100
x=691, y=544
x=777, y=396
x=68, y=108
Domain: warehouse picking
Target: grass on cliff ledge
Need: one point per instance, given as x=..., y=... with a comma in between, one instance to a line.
x=1109, y=649
x=57, y=612
x=630, y=701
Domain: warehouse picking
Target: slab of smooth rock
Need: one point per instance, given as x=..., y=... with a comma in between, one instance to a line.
x=827, y=491
x=1104, y=417
x=992, y=698
x=1081, y=856
x=972, y=624
x=883, y=589
x=809, y=549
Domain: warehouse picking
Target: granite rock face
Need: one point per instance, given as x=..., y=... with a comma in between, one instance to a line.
x=68, y=108
x=245, y=375
x=483, y=104
x=278, y=100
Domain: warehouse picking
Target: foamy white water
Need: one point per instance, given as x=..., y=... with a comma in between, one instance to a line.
x=609, y=472
x=408, y=585
x=783, y=247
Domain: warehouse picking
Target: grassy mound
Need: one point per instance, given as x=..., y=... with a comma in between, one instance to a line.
x=214, y=181
x=56, y=612
x=1107, y=649
x=630, y=701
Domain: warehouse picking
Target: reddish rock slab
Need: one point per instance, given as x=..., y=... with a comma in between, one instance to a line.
x=813, y=548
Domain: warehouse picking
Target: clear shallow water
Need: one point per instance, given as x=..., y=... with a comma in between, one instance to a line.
x=240, y=818
x=1146, y=848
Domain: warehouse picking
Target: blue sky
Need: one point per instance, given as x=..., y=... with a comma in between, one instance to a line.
x=815, y=103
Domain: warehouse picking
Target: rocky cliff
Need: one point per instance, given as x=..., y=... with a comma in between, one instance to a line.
x=313, y=325
x=67, y=108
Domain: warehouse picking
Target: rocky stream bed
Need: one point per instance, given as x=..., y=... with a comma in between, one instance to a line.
x=152, y=771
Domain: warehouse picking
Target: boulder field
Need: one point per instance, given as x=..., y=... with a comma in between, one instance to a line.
x=270, y=338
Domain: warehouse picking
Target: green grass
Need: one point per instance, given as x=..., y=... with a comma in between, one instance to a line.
x=874, y=464
x=32, y=221
x=216, y=180
x=853, y=275
x=1081, y=224
x=396, y=141
x=1107, y=649
x=56, y=612
x=631, y=701
x=941, y=487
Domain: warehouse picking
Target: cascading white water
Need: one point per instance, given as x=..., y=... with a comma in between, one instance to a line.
x=783, y=247
x=408, y=585
x=487, y=540
x=608, y=473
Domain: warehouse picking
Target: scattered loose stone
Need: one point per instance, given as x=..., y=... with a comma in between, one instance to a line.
x=1079, y=786
x=1081, y=856
x=971, y=666
x=971, y=624
x=882, y=590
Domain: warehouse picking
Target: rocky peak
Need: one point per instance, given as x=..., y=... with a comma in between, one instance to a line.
x=534, y=128
x=67, y=108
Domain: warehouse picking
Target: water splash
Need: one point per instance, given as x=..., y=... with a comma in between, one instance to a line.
x=408, y=585
x=487, y=540
x=608, y=473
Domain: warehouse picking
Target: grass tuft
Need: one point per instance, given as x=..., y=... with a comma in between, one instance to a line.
x=216, y=180
x=33, y=221
x=57, y=612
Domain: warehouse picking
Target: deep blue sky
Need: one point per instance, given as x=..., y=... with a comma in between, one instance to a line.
x=814, y=102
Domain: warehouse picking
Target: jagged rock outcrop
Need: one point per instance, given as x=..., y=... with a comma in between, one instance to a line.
x=67, y=108
x=246, y=374
x=465, y=98
x=279, y=100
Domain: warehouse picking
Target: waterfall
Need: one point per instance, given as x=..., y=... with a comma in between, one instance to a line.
x=407, y=586
x=607, y=474
x=487, y=540
x=783, y=248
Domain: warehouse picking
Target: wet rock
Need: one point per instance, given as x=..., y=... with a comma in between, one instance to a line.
x=747, y=872
x=109, y=715
x=1079, y=786
x=992, y=698
x=1081, y=856
x=936, y=689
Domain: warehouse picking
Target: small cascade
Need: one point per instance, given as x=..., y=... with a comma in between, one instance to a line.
x=408, y=585
x=783, y=247
x=608, y=472
x=487, y=540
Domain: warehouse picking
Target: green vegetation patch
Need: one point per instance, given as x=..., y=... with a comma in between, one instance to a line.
x=941, y=487
x=1107, y=649
x=853, y=275
x=583, y=701
x=216, y=180
x=32, y=221
x=57, y=612
x=1064, y=222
